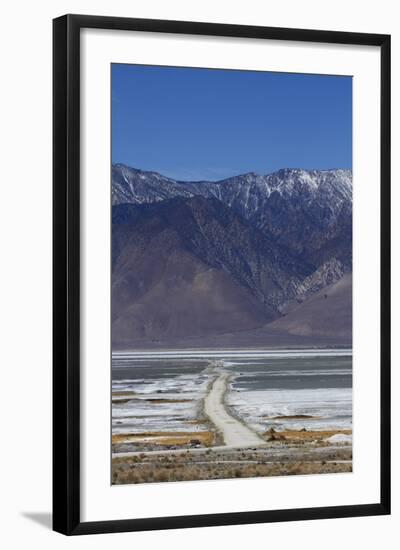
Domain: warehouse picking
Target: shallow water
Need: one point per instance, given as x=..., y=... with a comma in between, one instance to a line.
x=313, y=387
x=315, y=391
x=293, y=373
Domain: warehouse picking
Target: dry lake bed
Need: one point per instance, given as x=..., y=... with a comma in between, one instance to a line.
x=187, y=415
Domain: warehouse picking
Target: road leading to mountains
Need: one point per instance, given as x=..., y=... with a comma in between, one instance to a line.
x=234, y=432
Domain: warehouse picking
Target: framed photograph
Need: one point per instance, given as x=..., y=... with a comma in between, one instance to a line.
x=221, y=274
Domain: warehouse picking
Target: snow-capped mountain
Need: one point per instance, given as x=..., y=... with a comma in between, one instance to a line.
x=246, y=192
x=195, y=258
x=133, y=186
x=298, y=208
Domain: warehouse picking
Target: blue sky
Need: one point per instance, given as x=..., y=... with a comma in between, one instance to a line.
x=194, y=124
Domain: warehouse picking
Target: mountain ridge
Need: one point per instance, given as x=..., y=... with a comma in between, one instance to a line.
x=260, y=245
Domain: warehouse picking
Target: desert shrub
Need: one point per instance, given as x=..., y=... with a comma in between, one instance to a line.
x=162, y=475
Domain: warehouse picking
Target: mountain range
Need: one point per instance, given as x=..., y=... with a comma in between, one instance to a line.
x=249, y=260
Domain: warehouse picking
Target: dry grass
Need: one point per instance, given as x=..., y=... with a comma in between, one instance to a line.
x=173, y=471
x=167, y=438
x=297, y=436
x=212, y=463
x=122, y=401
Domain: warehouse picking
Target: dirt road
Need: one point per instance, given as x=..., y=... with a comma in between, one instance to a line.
x=234, y=432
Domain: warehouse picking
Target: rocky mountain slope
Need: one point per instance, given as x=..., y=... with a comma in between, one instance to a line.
x=192, y=259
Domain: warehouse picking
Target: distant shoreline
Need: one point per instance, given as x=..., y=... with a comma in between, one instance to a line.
x=213, y=352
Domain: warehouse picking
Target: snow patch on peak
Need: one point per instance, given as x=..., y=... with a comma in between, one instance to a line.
x=248, y=191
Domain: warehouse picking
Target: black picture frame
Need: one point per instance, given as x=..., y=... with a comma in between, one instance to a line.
x=66, y=272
